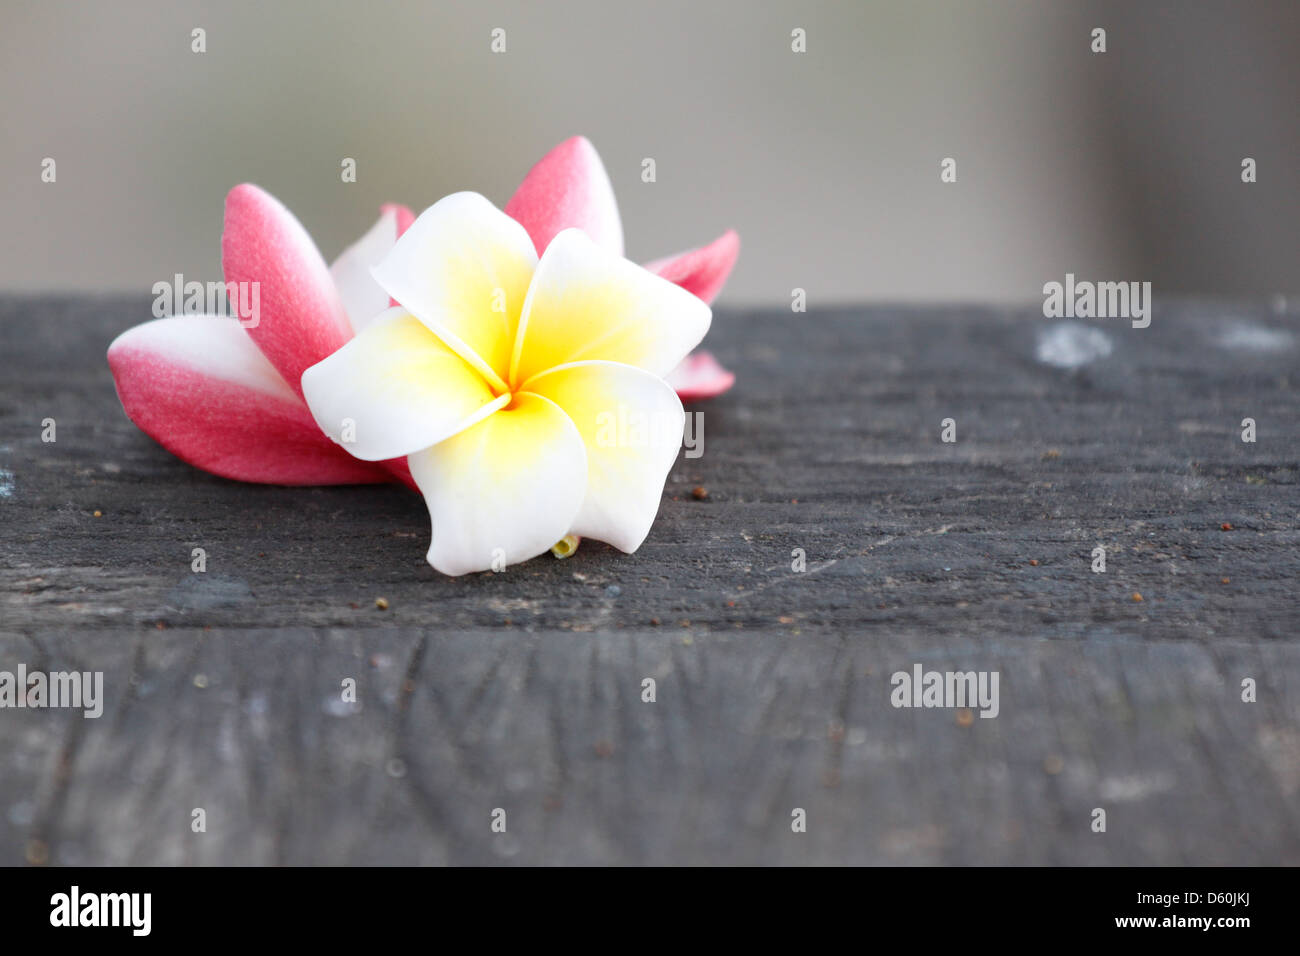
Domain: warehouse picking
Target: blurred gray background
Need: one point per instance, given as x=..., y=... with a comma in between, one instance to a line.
x=1123, y=165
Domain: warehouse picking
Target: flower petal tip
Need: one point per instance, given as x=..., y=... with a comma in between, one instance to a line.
x=302, y=318
x=402, y=214
x=700, y=376
x=568, y=187
x=701, y=271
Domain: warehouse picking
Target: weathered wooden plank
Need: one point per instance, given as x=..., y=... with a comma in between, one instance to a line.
x=746, y=727
x=522, y=690
x=839, y=413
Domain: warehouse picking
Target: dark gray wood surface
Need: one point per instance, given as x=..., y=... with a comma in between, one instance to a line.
x=522, y=690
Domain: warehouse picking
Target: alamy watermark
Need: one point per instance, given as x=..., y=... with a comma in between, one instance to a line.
x=977, y=690
x=238, y=300
x=1098, y=300
x=37, y=689
x=625, y=427
x=74, y=908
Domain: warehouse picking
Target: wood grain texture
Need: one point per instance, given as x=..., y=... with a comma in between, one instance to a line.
x=522, y=690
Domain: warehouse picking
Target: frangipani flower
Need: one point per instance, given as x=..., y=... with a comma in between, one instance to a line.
x=505, y=377
x=229, y=399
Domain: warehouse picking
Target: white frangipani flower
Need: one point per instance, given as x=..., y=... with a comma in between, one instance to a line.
x=528, y=394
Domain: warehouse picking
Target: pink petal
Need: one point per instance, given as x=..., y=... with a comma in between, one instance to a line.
x=199, y=387
x=302, y=318
x=703, y=270
x=404, y=216
x=700, y=376
x=568, y=188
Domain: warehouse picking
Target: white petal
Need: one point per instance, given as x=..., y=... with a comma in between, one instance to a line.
x=212, y=345
x=363, y=297
x=394, y=389
x=504, y=490
x=463, y=270
x=631, y=423
x=585, y=303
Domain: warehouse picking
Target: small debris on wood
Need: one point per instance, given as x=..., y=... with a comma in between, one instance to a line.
x=700, y=493
x=381, y=603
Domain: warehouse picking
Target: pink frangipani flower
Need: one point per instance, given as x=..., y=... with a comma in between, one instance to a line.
x=228, y=398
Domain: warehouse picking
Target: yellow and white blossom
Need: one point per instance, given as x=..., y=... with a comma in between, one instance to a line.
x=499, y=376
